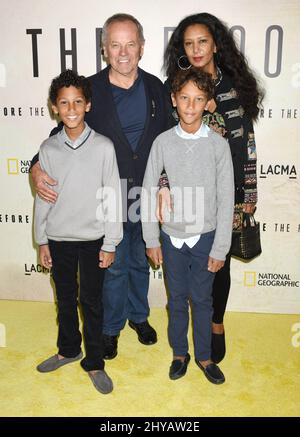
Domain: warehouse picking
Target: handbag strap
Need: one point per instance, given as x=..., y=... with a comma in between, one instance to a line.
x=248, y=220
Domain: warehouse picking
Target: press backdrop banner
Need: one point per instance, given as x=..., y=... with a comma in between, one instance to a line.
x=40, y=38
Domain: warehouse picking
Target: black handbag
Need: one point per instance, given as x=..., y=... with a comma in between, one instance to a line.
x=246, y=240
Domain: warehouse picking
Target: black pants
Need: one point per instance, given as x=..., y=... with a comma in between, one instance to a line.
x=66, y=256
x=222, y=281
x=221, y=287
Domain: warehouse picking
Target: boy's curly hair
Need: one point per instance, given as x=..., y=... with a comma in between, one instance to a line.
x=69, y=78
x=202, y=80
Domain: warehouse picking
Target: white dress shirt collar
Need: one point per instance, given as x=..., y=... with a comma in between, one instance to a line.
x=201, y=132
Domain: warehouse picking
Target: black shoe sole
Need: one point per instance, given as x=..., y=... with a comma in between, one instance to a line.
x=110, y=357
x=146, y=343
x=174, y=377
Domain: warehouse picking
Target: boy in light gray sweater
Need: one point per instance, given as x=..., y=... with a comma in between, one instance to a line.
x=197, y=235
x=82, y=228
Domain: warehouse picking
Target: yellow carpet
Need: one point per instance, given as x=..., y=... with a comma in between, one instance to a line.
x=261, y=367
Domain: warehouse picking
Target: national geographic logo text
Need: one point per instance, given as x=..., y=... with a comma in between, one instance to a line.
x=254, y=279
x=18, y=166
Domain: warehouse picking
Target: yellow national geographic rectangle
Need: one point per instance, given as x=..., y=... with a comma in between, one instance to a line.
x=249, y=279
x=13, y=166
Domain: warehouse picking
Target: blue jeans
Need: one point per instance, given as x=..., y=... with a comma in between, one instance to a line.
x=188, y=279
x=126, y=282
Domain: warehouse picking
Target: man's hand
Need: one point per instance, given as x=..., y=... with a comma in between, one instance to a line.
x=106, y=259
x=249, y=208
x=41, y=182
x=163, y=201
x=155, y=254
x=45, y=256
x=214, y=265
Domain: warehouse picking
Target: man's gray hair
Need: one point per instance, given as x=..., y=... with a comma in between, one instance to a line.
x=120, y=18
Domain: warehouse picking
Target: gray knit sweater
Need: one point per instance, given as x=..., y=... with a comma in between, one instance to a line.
x=88, y=206
x=200, y=174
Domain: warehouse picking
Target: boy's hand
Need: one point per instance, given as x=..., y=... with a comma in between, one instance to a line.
x=45, y=256
x=41, y=181
x=106, y=259
x=163, y=200
x=155, y=254
x=214, y=265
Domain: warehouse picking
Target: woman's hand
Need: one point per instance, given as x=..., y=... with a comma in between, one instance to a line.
x=249, y=208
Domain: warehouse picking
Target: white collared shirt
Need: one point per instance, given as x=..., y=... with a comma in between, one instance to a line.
x=201, y=132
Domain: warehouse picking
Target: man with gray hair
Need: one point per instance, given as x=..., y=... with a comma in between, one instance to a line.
x=129, y=106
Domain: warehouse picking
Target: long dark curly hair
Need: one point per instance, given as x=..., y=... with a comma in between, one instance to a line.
x=228, y=58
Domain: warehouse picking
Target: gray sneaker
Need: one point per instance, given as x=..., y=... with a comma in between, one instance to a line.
x=54, y=363
x=101, y=381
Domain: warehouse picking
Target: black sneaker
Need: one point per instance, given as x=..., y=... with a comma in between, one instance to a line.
x=146, y=334
x=110, y=346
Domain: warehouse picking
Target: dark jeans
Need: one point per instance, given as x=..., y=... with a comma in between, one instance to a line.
x=126, y=284
x=188, y=279
x=66, y=256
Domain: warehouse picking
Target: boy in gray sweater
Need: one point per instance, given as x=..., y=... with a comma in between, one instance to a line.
x=82, y=228
x=197, y=235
